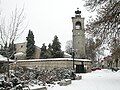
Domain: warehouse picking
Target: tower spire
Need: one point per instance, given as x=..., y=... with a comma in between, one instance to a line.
x=78, y=12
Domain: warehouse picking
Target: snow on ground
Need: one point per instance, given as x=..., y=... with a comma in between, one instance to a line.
x=97, y=80
x=35, y=87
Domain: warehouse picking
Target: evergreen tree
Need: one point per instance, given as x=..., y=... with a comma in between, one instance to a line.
x=57, y=52
x=30, y=45
x=53, y=51
x=8, y=51
x=4, y=50
x=49, y=51
x=46, y=53
x=43, y=51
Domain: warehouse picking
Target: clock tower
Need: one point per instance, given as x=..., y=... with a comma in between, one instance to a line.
x=78, y=35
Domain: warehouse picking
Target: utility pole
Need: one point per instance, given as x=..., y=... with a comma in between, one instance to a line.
x=73, y=56
x=8, y=75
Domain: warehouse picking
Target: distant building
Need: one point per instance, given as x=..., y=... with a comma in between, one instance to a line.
x=21, y=51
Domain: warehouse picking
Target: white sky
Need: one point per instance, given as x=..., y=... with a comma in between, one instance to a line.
x=47, y=18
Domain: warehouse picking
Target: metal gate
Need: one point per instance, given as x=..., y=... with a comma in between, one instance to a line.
x=80, y=68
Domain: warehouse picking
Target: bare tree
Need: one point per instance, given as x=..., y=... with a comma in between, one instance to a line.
x=107, y=23
x=92, y=48
x=68, y=47
x=10, y=30
x=96, y=4
x=115, y=49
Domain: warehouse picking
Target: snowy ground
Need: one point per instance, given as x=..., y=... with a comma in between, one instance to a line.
x=96, y=80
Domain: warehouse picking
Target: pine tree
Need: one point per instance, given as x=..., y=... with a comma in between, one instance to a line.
x=43, y=51
x=57, y=52
x=4, y=50
x=30, y=45
x=8, y=51
x=49, y=51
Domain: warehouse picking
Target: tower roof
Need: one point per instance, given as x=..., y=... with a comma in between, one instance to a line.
x=78, y=12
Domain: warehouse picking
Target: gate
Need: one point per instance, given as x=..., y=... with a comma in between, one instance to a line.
x=80, y=68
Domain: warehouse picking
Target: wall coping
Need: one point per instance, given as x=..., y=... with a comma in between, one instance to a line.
x=54, y=59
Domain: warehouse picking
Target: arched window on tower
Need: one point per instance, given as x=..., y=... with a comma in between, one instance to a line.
x=78, y=25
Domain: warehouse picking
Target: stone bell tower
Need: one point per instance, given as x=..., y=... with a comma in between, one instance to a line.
x=78, y=35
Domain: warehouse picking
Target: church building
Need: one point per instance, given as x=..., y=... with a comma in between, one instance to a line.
x=78, y=63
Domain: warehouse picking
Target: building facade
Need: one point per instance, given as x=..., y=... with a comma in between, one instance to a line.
x=78, y=35
x=21, y=51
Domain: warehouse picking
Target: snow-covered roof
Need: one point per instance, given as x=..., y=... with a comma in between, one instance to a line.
x=56, y=59
x=19, y=54
x=66, y=55
x=2, y=58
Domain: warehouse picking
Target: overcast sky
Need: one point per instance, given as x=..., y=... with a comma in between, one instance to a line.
x=47, y=18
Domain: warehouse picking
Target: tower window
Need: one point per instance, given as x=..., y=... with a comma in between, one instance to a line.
x=78, y=25
x=21, y=46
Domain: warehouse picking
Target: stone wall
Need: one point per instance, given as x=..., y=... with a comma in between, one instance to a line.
x=50, y=64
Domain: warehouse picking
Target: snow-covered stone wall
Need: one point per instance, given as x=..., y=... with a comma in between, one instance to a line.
x=50, y=64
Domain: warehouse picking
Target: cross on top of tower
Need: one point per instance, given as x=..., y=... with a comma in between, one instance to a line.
x=78, y=12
